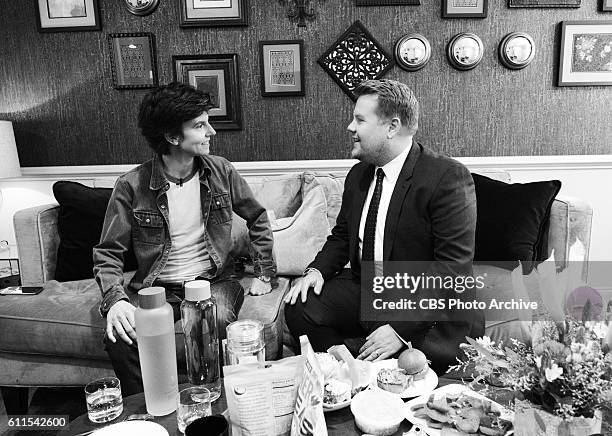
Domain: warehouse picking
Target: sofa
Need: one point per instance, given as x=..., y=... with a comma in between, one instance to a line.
x=55, y=338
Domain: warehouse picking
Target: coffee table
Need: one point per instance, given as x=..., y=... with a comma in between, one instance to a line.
x=339, y=423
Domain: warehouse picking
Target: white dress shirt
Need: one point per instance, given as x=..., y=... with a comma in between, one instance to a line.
x=392, y=171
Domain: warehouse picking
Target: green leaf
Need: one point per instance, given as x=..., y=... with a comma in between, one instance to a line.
x=539, y=421
x=487, y=354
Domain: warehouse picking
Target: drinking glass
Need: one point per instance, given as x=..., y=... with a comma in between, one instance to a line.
x=104, y=401
x=192, y=403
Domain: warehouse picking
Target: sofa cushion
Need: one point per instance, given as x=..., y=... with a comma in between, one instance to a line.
x=282, y=196
x=513, y=219
x=299, y=238
x=80, y=220
x=63, y=320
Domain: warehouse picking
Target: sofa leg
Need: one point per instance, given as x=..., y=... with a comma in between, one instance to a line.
x=15, y=399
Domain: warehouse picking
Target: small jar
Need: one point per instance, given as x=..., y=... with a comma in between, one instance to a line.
x=245, y=342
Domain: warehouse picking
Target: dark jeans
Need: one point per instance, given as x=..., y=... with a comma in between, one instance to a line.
x=331, y=317
x=229, y=296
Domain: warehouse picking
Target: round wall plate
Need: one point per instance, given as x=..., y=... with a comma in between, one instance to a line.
x=516, y=50
x=465, y=51
x=141, y=7
x=412, y=51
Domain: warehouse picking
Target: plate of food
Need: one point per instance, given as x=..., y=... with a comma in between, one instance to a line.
x=344, y=377
x=407, y=376
x=457, y=410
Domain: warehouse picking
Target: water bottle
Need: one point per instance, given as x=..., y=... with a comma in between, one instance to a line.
x=199, y=320
x=157, y=350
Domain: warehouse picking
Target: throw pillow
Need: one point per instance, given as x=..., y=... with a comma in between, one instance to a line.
x=512, y=221
x=80, y=220
x=298, y=239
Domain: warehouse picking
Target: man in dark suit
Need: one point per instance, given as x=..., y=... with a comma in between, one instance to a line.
x=402, y=202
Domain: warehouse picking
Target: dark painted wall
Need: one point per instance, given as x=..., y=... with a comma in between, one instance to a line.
x=57, y=87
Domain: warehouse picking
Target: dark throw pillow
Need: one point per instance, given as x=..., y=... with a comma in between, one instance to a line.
x=80, y=220
x=513, y=221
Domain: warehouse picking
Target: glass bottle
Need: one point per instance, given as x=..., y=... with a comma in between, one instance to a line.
x=199, y=321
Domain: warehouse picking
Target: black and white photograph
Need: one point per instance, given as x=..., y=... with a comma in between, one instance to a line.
x=305, y=217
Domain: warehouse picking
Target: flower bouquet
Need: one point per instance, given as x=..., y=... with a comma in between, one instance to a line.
x=561, y=382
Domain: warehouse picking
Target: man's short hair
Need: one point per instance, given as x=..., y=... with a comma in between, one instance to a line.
x=395, y=99
x=165, y=109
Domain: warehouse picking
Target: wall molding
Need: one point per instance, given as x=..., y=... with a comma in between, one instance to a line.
x=339, y=166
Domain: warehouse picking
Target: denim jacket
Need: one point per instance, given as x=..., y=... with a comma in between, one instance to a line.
x=137, y=217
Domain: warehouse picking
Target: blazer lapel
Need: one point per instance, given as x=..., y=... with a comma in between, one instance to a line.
x=397, y=198
x=361, y=194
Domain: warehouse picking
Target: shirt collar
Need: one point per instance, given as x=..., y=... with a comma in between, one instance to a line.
x=393, y=168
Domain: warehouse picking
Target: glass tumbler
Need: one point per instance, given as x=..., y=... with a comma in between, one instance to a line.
x=104, y=400
x=192, y=403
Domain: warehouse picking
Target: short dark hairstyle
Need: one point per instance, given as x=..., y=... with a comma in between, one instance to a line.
x=165, y=109
x=394, y=99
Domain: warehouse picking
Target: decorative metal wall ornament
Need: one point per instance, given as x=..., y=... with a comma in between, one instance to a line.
x=516, y=50
x=355, y=57
x=141, y=7
x=465, y=51
x=412, y=52
x=299, y=10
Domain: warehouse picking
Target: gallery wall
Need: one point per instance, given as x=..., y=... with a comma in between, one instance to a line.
x=57, y=87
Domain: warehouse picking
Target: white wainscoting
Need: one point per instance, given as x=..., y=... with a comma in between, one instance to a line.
x=588, y=177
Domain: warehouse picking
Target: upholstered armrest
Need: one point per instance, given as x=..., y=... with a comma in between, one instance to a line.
x=569, y=236
x=37, y=241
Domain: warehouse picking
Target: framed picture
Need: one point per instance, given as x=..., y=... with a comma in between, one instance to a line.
x=517, y=50
x=209, y=13
x=281, y=64
x=544, y=3
x=465, y=51
x=606, y=5
x=133, y=60
x=412, y=52
x=387, y=2
x=67, y=15
x=464, y=8
x=216, y=74
x=586, y=54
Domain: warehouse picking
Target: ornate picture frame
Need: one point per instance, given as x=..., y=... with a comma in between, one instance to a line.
x=218, y=75
x=544, y=3
x=464, y=51
x=516, y=50
x=342, y=59
x=464, y=9
x=67, y=16
x=387, y=2
x=213, y=13
x=133, y=60
x=281, y=66
x=412, y=52
x=585, y=56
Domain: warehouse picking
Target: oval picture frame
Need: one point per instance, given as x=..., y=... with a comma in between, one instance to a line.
x=465, y=51
x=141, y=7
x=516, y=50
x=412, y=52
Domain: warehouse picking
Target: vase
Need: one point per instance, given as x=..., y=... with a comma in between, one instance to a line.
x=532, y=420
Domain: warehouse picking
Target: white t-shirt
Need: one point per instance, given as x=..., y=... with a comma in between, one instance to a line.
x=188, y=256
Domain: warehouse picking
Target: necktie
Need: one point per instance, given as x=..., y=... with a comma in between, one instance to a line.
x=369, y=231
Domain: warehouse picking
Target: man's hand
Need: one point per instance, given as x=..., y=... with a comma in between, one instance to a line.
x=300, y=287
x=259, y=287
x=381, y=344
x=120, y=318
